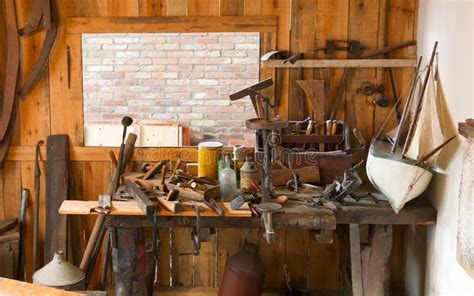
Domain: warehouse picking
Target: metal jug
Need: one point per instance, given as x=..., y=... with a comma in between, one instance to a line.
x=244, y=273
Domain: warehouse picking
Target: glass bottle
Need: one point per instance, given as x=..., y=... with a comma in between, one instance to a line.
x=227, y=181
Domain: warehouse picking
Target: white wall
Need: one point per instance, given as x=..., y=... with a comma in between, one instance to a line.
x=432, y=251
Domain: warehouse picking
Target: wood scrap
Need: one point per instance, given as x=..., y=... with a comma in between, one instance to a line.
x=57, y=188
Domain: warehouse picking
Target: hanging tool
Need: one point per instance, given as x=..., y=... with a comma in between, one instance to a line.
x=43, y=15
x=195, y=234
x=36, y=205
x=279, y=54
x=68, y=60
x=12, y=69
x=348, y=71
x=292, y=59
x=25, y=196
x=332, y=45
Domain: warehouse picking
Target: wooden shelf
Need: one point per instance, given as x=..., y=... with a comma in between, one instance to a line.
x=366, y=63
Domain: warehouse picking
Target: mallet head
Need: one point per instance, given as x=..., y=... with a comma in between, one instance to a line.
x=127, y=121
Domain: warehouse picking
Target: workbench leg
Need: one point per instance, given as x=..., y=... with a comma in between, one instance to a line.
x=370, y=263
x=129, y=261
x=342, y=231
x=356, y=263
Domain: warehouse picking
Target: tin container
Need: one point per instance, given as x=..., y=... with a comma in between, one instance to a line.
x=248, y=174
x=208, y=156
x=244, y=273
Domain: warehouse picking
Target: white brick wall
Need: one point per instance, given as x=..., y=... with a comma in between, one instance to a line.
x=181, y=78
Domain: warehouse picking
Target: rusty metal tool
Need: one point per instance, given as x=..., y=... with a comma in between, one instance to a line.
x=155, y=169
x=348, y=71
x=36, y=205
x=333, y=45
x=43, y=15
x=68, y=60
x=252, y=92
x=278, y=54
x=292, y=59
x=144, y=203
x=212, y=204
x=25, y=196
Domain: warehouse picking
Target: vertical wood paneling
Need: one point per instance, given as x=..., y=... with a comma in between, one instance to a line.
x=302, y=40
x=151, y=7
x=228, y=242
x=331, y=23
x=76, y=224
x=232, y=7
x=28, y=181
x=198, y=7
x=66, y=102
x=177, y=7
x=95, y=179
x=182, y=265
x=363, y=26
x=274, y=257
x=281, y=8
x=122, y=7
x=324, y=265
x=163, y=276
x=296, y=255
x=11, y=189
x=400, y=21
x=92, y=8
x=252, y=7
x=34, y=112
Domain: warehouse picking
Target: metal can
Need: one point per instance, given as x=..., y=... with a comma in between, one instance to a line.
x=208, y=155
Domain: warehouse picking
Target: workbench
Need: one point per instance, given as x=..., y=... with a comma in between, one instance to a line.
x=365, y=269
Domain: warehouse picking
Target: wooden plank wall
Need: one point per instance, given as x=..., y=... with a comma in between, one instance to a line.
x=302, y=26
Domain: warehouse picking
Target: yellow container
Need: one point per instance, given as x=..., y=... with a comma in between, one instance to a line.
x=208, y=156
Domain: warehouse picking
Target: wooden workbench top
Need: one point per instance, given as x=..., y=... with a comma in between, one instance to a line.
x=294, y=215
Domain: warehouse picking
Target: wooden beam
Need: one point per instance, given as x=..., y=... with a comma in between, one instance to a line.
x=356, y=263
x=177, y=24
x=375, y=258
x=365, y=63
x=57, y=190
x=26, y=153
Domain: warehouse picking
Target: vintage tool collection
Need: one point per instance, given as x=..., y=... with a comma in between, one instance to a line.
x=312, y=156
